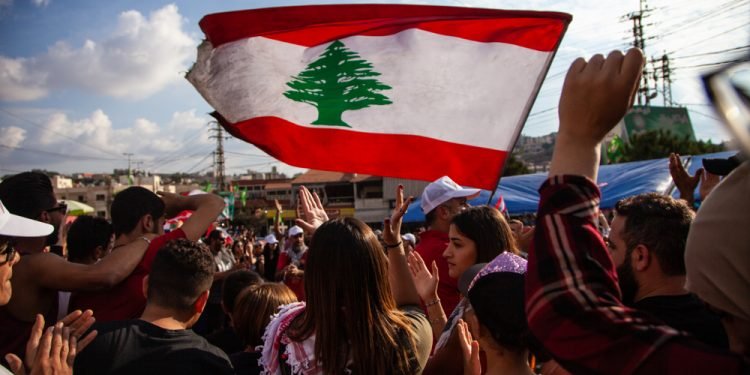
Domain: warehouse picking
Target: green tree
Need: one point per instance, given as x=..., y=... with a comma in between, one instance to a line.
x=515, y=166
x=657, y=144
x=339, y=80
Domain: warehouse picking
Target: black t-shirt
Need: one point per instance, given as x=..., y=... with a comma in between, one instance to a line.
x=226, y=340
x=246, y=363
x=687, y=313
x=139, y=347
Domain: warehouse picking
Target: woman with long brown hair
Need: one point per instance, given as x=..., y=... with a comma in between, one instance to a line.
x=362, y=314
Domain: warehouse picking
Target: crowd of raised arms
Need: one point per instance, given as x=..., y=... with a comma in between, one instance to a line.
x=653, y=287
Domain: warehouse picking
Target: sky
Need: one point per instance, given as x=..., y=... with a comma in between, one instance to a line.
x=83, y=83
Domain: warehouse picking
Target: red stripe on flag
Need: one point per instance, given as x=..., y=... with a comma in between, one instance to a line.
x=393, y=155
x=318, y=24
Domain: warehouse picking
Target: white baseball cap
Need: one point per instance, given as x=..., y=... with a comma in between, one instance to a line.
x=17, y=226
x=409, y=237
x=271, y=239
x=442, y=190
x=295, y=230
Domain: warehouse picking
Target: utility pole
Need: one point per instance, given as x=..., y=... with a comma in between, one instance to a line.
x=128, y=155
x=130, y=173
x=219, y=180
x=644, y=94
x=139, y=167
x=666, y=81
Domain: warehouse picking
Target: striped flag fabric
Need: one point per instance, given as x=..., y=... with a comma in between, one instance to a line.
x=500, y=205
x=407, y=91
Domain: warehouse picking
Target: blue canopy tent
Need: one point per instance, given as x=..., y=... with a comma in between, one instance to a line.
x=616, y=182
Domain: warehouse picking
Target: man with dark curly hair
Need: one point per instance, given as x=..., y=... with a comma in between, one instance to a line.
x=647, y=243
x=161, y=341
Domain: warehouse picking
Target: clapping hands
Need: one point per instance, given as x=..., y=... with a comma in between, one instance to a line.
x=425, y=281
x=53, y=351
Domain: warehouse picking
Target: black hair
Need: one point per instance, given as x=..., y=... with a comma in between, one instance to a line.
x=85, y=234
x=131, y=205
x=234, y=283
x=216, y=235
x=181, y=271
x=489, y=230
x=498, y=302
x=659, y=222
x=27, y=194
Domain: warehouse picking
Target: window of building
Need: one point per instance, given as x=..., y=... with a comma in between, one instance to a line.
x=101, y=213
x=82, y=199
x=101, y=197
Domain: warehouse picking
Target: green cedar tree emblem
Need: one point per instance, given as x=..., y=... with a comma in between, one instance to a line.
x=339, y=80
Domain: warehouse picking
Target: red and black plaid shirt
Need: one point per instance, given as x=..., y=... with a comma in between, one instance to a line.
x=573, y=301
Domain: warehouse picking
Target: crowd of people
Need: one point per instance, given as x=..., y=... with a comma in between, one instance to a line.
x=658, y=288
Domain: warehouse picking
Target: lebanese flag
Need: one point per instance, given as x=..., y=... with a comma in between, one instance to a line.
x=407, y=91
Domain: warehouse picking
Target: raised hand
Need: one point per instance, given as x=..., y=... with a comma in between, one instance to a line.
x=684, y=182
x=425, y=281
x=392, y=225
x=277, y=205
x=311, y=211
x=596, y=94
x=470, y=350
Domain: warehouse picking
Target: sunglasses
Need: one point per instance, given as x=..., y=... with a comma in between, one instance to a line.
x=61, y=206
x=8, y=248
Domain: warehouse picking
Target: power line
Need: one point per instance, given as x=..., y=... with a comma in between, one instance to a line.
x=711, y=53
x=705, y=115
x=243, y=154
x=182, y=158
x=199, y=163
x=723, y=8
x=187, y=141
x=692, y=44
x=76, y=141
x=69, y=156
x=712, y=64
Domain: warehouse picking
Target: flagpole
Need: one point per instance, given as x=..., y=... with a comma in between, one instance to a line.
x=493, y=193
x=538, y=87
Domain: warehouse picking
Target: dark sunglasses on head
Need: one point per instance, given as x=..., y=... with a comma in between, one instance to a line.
x=61, y=206
x=8, y=250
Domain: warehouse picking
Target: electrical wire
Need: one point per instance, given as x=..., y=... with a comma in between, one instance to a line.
x=68, y=156
x=76, y=141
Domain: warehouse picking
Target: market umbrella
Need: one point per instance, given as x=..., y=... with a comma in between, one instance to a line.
x=76, y=208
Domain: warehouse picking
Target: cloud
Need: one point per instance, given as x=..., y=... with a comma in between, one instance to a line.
x=140, y=57
x=145, y=137
x=40, y=3
x=17, y=82
x=94, y=142
x=12, y=136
